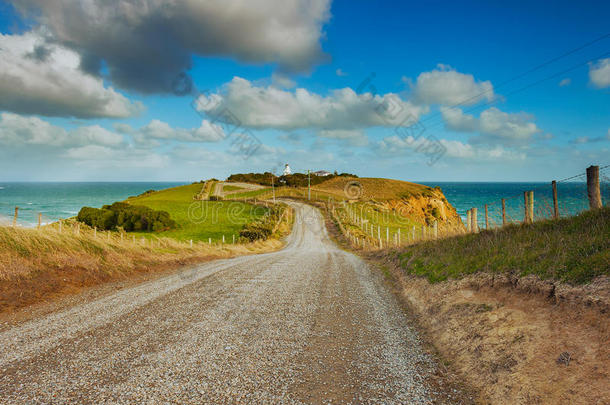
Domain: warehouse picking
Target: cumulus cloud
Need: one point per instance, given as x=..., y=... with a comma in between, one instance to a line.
x=353, y=137
x=447, y=86
x=340, y=73
x=157, y=130
x=17, y=130
x=397, y=146
x=147, y=43
x=46, y=79
x=599, y=73
x=269, y=107
x=103, y=157
x=565, y=82
x=494, y=126
x=456, y=120
x=590, y=139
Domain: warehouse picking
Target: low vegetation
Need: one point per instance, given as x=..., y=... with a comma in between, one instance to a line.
x=265, y=226
x=127, y=217
x=37, y=264
x=199, y=220
x=291, y=180
x=574, y=250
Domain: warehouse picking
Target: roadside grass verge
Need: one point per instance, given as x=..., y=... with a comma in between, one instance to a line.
x=574, y=250
x=198, y=220
x=37, y=264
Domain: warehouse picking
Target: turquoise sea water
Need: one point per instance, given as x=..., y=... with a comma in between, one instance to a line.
x=63, y=200
x=572, y=198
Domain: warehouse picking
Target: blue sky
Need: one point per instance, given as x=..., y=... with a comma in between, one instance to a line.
x=87, y=91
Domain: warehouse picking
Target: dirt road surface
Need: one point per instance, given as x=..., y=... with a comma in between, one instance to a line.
x=308, y=324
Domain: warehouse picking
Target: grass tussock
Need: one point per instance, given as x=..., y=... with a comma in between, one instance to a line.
x=37, y=264
x=574, y=250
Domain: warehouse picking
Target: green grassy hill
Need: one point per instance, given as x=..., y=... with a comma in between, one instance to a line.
x=573, y=250
x=199, y=220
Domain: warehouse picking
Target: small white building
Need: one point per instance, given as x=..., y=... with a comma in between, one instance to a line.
x=322, y=173
x=287, y=170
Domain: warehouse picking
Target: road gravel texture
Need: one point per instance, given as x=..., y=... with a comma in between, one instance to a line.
x=308, y=324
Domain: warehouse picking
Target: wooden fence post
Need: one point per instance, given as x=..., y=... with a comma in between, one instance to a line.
x=210, y=241
x=475, y=223
x=413, y=233
x=191, y=241
x=503, y=212
x=525, y=211
x=39, y=220
x=595, y=197
x=233, y=238
x=398, y=236
x=555, y=202
x=15, y=217
x=486, y=217
x=469, y=220
x=435, y=229
x=61, y=221
x=530, y=200
x=95, y=231
x=387, y=235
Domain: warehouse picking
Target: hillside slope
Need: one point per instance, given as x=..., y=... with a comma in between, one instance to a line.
x=420, y=203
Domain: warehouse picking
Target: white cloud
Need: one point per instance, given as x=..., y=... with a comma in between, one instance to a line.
x=268, y=107
x=456, y=120
x=565, y=82
x=506, y=128
x=446, y=86
x=158, y=130
x=353, y=137
x=340, y=73
x=17, y=130
x=46, y=79
x=495, y=126
x=104, y=157
x=397, y=146
x=126, y=34
x=599, y=73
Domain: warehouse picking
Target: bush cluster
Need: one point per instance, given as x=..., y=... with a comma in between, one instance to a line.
x=292, y=180
x=127, y=216
x=263, y=228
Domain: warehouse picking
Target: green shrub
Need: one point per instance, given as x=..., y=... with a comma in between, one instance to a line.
x=127, y=216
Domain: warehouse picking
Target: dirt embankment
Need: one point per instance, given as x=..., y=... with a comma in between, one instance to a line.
x=517, y=341
x=426, y=208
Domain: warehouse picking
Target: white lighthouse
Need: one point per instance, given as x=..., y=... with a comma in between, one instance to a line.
x=287, y=170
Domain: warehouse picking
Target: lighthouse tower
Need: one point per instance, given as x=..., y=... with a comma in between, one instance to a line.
x=287, y=170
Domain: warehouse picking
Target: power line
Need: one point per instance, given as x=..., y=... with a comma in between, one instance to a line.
x=526, y=87
x=523, y=74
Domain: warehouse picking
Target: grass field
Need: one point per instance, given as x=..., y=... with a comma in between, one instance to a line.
x=574, y=250
x=380, y=220
x=36, y=264
x=370, y=188
x=249, y=194
x=227, y=188
x=199, y=220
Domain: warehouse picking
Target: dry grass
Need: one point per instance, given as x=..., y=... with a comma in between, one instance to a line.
x=39, y=264
x=506, y=342
x=372, y=188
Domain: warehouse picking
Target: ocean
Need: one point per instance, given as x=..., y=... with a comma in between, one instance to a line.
x=64, y=200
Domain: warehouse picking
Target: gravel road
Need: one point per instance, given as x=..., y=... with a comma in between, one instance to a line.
x=308, y=324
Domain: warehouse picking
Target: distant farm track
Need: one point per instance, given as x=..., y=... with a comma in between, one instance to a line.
x=307, y=324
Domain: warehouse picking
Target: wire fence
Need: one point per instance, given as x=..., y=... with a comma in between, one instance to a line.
x=570, y=198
